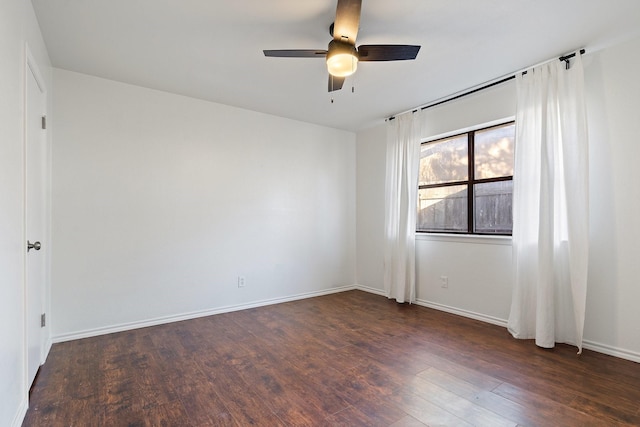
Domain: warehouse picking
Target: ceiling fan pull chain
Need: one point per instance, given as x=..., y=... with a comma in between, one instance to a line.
x=331, y=86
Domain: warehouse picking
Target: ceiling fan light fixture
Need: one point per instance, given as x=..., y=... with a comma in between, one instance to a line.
x=342, y=59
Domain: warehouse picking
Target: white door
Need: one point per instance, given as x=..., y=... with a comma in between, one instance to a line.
x=36, y=206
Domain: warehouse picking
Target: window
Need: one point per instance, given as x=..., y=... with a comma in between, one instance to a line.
x=466, y=182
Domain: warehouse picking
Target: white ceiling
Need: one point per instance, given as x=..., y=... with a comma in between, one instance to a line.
x=212, y=49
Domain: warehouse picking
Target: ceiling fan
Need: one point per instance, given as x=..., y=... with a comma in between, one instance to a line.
x=342, y=56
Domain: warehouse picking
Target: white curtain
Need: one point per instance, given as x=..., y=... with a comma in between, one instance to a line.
x=401, y=192
x=550, y=206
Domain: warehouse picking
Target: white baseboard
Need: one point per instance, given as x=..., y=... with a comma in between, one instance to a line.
x=376, y=291
x=464, y=313
x=611, y=351
x=442, y=307
x=589, y=345
x=586, y=344
x=192, y=315
x=20, y=414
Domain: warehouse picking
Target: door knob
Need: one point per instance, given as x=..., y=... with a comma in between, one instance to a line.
x=34, y=245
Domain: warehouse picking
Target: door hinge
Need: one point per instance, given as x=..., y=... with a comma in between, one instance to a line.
x=44, y=122
x=43, y=320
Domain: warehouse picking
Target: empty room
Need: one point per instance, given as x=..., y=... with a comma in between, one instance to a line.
x=329, y=212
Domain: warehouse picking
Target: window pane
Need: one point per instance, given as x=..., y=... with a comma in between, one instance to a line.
x=445, y=160
x=493, y=150
x=493, y=203
x=442, y=208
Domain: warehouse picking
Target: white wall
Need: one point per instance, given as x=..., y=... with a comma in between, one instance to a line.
x=613, y=295
x=161, y=201
x=439, y=255
x=479, y=270
x=370, y=176
x=18, y=26
x=475, y=267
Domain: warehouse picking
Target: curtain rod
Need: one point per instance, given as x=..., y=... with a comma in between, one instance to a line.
x=484, y=86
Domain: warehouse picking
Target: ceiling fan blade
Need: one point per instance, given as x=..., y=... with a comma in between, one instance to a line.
x=296, y=53
x=345, y=28
x=387, y=52
x=335, y=83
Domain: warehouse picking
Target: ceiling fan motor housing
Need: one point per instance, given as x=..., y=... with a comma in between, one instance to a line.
x=342, y=58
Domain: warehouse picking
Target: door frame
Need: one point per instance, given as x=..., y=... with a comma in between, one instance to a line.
x=31, y=67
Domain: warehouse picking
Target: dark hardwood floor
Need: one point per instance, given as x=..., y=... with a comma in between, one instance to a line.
x=348, y=359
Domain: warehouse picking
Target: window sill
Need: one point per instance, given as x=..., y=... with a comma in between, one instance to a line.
x=464, y=238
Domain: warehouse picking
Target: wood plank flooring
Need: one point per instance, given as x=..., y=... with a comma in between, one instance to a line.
x=348, y=359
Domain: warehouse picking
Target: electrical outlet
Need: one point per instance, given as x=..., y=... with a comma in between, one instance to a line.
x=241, y=281
x=444, y=281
